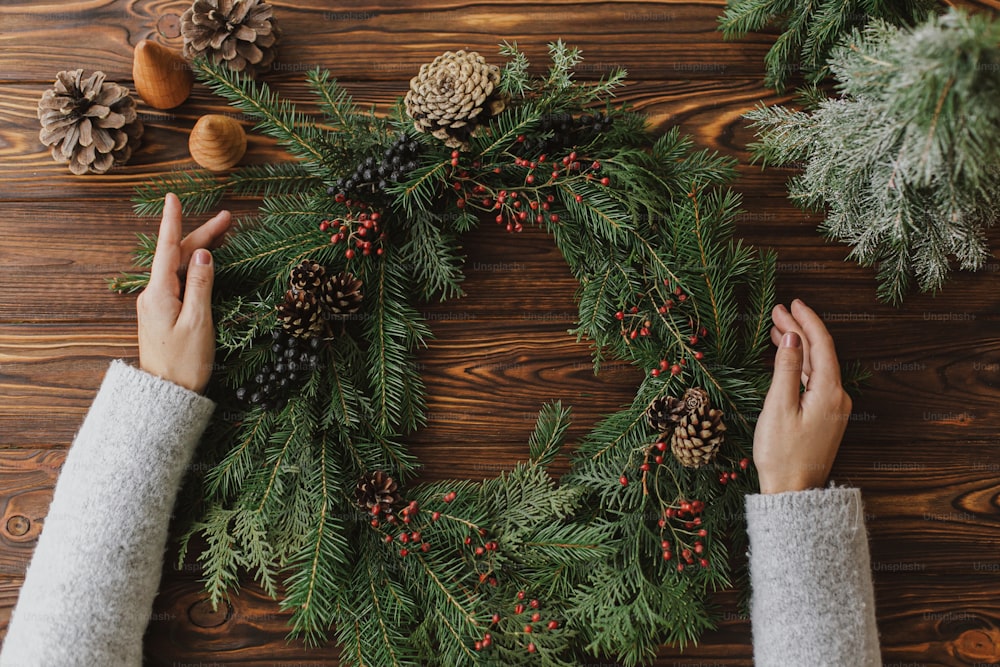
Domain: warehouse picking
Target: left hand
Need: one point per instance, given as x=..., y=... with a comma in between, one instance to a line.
x=177, y=338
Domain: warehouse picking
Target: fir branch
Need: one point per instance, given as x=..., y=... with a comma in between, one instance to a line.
x=549, y=433
x=198, y=191
x=275, y=117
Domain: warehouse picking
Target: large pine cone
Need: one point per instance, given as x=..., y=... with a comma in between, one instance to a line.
x=341, y=295
x=241, y=34
x=454, y=94
x=299, y=314
x=698, y=436
x=378, y=493
x=89, y=123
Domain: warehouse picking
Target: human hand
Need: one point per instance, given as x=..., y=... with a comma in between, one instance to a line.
x=798, y=434
x=177, y=339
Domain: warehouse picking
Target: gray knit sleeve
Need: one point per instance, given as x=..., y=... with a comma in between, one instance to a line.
x=812, y=603
x=88, y=592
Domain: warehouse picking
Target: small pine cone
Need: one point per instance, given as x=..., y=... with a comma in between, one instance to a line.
x=664, y=413
x=308, y=275
x=238, y=33
x=693, y=399
x=341, y=295
x=89, y=123
x=377, y=492
x=299, y=314
x=454, y=94
x=698, y=436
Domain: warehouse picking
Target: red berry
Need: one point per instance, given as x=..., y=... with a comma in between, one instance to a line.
x=655, y=372
x=702, y=533
x=480, y=551
x=404, y=552
x=605, y=181
x=454, y=162
x=661, y=445
x=680, y=567
x=496, y=618
x=349, y=253
x=531, y=647
x=693, y=340
x=435, y=516
x=527, y=629
x=644, y=467
x=460, y=203
x=534, y=604
x=659, y=458
x=554, y=218
x=703, y=562
x=579, y=198
x=675, y=370
x=520, y=138
x=620, y=316
x=536, y=617
x=699, y=355
x=455, y=153
x=425, y=547
x=744, y=463
x=518, y=608
x=404, y=538
x=553, y=625
x=667, y=555
x=450, y=496
x=530, y=178
x=478, y=645
x=468, y=540
x=623, y=480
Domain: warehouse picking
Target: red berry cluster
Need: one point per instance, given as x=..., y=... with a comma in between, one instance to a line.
x=411, y=540
x=359, y=231
x=533, y=624
x=683, y=520
x=726, y=476
x=516, y=209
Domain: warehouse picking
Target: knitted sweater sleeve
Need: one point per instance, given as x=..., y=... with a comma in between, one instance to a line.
x=812, y=603
x=89, y=589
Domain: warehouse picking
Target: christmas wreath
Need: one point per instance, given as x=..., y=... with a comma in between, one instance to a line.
x=316, y=311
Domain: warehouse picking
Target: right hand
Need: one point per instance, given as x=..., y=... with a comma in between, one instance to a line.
x=798, y=433
x=176, y=338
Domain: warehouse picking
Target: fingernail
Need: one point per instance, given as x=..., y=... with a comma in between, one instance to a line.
x=791, y=339
x=202, y=256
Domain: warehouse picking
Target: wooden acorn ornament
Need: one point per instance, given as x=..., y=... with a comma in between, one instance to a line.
x=162, y=77
x=217, y=142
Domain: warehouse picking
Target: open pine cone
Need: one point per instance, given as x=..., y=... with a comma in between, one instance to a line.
x=377, y=492
x=299, y=314
x=454, y=94
x=241, y=34
x=89, y=123
x=341, y=295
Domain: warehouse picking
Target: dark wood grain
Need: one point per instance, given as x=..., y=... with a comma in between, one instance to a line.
x=922, y=443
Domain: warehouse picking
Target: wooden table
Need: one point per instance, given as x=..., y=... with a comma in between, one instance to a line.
x=922, y=443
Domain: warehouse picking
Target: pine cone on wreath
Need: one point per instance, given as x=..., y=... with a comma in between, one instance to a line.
x=453, y=95
x=341, y=295
x=241, y=34
x=308, y=275
x=299, y=314
x=378, y=493
x=664, y=413
x=699, y=433
x=89, y=123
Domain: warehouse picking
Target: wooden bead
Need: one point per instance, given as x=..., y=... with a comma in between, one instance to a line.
x=162, y=78
x=217, y=142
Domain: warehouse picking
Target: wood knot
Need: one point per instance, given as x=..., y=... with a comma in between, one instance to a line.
x=18, y=525
x=202, y=614
x=169, y=25
x=981, y=645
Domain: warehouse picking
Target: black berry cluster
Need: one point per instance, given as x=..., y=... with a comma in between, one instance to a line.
x=294, y=360
x=373, y=176
x=564, y=131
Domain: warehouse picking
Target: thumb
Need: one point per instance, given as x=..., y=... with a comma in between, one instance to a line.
x=198, y=287
x=787, y=372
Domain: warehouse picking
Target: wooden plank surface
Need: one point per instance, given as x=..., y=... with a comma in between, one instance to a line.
x=922, y=443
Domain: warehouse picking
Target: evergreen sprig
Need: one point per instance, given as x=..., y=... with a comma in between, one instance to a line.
x=903, y=161
x=454, y=572
x=811, y=29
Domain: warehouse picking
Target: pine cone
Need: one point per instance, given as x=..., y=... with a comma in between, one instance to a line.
x=454, y=94
x=308, y=275
x=698, y=436
x=90, y=124
x=341, y=295
x=299, y=314
x=664, y=413
x=694, y=398
x=241, y=34
x=377, y=493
